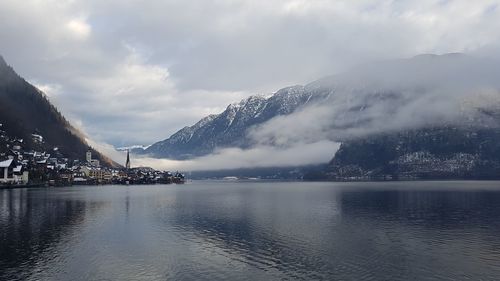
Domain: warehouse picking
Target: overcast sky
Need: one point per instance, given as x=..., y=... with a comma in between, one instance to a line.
x=134, y=72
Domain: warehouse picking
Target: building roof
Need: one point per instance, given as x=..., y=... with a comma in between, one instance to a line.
x=6, y=163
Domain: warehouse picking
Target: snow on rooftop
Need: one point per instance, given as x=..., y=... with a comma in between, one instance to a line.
x=6, y=163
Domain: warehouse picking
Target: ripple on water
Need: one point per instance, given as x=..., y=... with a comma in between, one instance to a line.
x=258, y=231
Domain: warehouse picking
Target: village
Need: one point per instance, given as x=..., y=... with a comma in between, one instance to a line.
x=20, y=167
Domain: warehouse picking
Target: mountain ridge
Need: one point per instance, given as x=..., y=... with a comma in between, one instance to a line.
x=229, y=127
x=362, y=101
x=25, y=110
x=428, y=153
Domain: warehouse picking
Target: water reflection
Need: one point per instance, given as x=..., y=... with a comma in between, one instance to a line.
x=253, y=231
x=33, y=223
x=270, y=230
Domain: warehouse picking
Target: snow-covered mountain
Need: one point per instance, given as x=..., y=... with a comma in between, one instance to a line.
x=452, y=90
x=229, y=128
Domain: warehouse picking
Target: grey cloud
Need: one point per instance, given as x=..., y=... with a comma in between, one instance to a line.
x=427, y=90
x=258, y=156
x=213, y=52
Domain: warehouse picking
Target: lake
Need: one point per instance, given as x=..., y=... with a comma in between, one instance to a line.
x=215, y=230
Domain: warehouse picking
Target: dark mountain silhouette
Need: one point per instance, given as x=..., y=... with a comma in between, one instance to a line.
x=25, y=110
x=461, y=152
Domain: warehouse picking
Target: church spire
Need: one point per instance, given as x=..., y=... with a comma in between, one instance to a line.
x=127, y=164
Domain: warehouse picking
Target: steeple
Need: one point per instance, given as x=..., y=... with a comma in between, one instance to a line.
x=127, y=164
x=88, y=156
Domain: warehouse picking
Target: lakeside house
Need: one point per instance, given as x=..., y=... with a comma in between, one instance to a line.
x=11, y=173
x=42, y=166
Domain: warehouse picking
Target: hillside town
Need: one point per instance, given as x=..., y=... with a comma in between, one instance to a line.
x=43, y=167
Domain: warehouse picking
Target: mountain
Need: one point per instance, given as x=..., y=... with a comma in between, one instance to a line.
x=25, y=110
x=426, y=91
x=426, y=153
x=229, y=128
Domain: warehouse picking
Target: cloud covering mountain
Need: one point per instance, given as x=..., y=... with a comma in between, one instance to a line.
x=133, y=72
x=425, y=91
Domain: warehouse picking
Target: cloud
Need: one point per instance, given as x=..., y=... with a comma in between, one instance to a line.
x=134, y=72
x=79, y=29
x=108, y=150
x=258, y=156
x=138, y=101
x=453, y=90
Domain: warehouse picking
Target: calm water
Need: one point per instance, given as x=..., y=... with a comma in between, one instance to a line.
x=253, y=231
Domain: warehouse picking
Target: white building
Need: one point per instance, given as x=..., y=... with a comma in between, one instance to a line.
x=12, y=174
x=37, y=138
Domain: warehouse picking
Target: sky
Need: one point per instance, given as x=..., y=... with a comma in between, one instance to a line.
x=134, y=72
